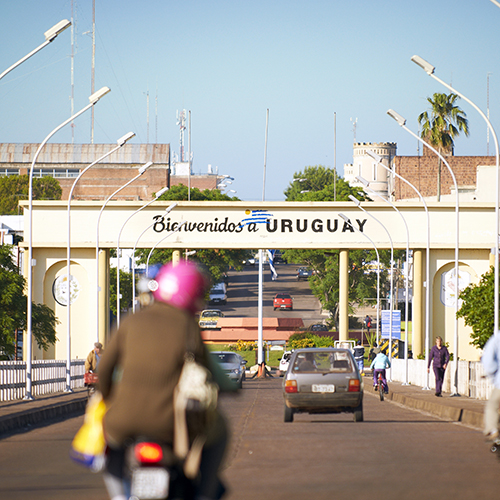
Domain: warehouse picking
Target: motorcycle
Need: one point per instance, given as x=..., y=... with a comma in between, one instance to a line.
x=152, y=472
x=155, y=473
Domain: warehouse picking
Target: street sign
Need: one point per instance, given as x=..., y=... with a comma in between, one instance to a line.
x=396, y=324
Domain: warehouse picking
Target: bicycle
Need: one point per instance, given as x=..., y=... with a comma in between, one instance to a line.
x=380, y=387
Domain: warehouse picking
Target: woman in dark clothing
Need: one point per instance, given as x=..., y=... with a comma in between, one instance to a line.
x=441, y=356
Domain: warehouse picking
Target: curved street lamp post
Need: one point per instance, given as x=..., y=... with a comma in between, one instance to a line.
x=429, y=69
x=158, y=194
x=366, y=184
x=120, y=143
x=98, y=288
x=402, y=123
x=94, y=98
x=358, y=204
x=169, y=208
x=378, y=159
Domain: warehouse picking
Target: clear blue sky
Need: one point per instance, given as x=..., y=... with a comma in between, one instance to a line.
x=229, y=61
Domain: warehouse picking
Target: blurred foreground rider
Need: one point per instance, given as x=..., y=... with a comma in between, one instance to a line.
x=140, y=370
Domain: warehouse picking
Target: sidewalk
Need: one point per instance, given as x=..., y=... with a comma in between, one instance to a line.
x=20, y=415
x=461, y=409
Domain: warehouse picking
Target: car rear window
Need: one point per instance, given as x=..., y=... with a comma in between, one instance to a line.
x=282, y=296
x=324, y=361
x=210, y=314
x=227, y=357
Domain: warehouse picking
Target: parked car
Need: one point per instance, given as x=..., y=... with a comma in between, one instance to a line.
x=232, y=364
x=318, y=327
x=322, y=380
x=283, y=301
x=303, y=273
x=284, y=361
x=217, y=294
x=209, y=318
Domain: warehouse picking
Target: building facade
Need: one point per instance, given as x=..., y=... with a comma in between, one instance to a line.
x=65, y=162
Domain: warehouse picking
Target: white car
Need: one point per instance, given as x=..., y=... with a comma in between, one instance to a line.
x=285, y=359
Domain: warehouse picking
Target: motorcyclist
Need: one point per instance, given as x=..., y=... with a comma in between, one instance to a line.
x=148, y=352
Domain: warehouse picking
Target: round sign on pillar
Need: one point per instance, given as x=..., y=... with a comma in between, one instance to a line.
x=60, y=290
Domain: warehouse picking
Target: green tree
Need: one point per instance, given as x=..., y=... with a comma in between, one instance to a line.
x=216, y=261
x=125, y=290
x=478, y=308
x=441, y=124
x=322, y=184
x=13, y=306
x=16, y=187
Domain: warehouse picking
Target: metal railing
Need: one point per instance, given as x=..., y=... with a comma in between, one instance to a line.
x=48, y=376
x=471, y=380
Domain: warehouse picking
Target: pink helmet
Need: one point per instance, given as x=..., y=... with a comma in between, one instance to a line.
x=180, y=285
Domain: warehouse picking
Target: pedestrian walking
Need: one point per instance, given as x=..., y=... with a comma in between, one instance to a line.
x=491, y=364
x=440, y=357
x=368, y=323
x=359, y=356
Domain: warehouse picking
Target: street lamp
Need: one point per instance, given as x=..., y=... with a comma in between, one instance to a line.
x=120, y=143
x=357, y=203
x=402, y=123
x=378, y=268
x=168, y=210
x=29, y=320
x=429, y=69
x=378, y=159
x=98, y=289
x=177, y=229
x=367, y=184
x=50, y=35
x=158, y=194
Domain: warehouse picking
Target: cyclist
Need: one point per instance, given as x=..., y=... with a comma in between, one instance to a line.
x=379, y=364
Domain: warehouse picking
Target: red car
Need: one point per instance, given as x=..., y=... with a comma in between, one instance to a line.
x=283, y=301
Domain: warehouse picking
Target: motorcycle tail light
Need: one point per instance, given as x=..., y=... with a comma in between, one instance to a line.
x=148, y=453
x=354, y=385
x=291, y=386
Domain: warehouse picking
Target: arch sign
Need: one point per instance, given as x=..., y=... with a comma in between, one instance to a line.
x=248, y=225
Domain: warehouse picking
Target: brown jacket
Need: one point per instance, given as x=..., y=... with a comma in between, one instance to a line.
x=91, y=361
x=147, y=354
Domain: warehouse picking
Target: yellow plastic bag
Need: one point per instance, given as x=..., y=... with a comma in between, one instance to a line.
x=89, y=445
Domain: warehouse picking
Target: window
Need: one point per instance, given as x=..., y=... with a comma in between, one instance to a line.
x=9, y=171
x=56, y=172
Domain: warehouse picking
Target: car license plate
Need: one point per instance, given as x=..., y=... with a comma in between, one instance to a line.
x=150, y=483
x=323, y=388
x=283, y=306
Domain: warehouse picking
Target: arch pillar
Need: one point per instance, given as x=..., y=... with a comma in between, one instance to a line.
x=418, y=315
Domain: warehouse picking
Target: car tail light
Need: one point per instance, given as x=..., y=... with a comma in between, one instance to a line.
x=148, y=453
x=354, y=385
x=291, y=386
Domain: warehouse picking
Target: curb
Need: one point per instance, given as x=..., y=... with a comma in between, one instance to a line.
x=452, y=413
x=38, y=416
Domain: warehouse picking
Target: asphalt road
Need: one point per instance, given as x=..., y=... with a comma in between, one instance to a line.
x=395, y=453
x=242, y=293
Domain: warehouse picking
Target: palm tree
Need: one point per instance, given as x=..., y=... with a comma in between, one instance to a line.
x=446, y=121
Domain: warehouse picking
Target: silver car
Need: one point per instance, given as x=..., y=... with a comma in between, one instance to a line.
x=324, y=380
x=232, y=364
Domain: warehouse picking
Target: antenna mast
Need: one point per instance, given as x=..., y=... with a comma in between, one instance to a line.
x=354, y=125
x=92, y=86
x=181, y=121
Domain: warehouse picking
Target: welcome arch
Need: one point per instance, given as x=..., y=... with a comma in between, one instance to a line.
x=251, y=225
